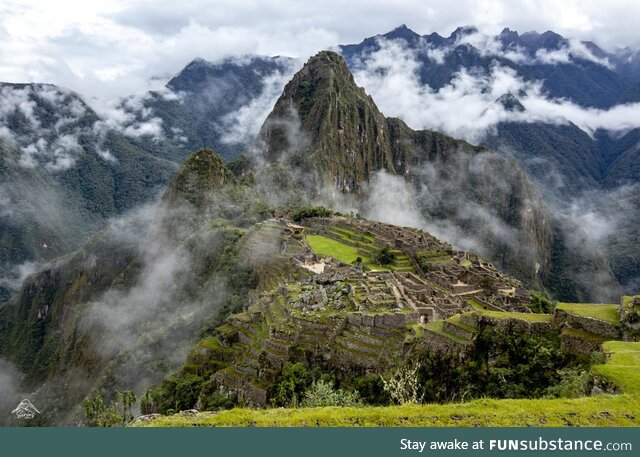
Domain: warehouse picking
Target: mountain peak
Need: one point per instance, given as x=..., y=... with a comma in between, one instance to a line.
x=203, y=172
x=402, y=32
x=327, y=125
x=508, y=36
x=324, y=75
x=463, y=31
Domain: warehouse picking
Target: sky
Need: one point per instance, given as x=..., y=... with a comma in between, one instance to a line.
x=119, y=47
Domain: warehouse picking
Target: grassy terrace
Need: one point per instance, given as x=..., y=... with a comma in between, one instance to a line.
x=345, y=253
x=606, y=313
x=438, y=327
x=623, y=366
x=602, y=410
x=529, y=317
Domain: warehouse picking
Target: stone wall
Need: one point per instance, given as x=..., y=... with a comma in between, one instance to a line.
x=591, y=325
x=581, y=343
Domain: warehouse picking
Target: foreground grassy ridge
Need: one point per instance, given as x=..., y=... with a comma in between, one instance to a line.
x=623, y=365
x=607, y=313
x=602, y=410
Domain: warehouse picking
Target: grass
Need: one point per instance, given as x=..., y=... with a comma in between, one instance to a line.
x=438, y=327
x=345, y=253
x=622, y=368
x=328, y=246
x=475, y=304
x=606, y=313
x=529, y=317
x=456, y=320
x=598, y=411
x=623, y=365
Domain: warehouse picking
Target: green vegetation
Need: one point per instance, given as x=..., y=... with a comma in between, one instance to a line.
x=541, y=304
x=622, y=366
x=426, y=258
x=350, y=254
x=311, y=211
x=529, y=317
x=598, y=411
x=608, y=313
x=437, y=327
x=328, y=246
x=385, y=257
x=322, y=393
x=116, y=414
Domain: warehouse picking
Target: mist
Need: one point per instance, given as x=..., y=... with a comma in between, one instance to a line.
x=9, y=390
x=469, y=107
x=240, y=127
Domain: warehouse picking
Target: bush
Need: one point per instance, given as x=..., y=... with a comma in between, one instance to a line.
x=572, y=384
x=322, y=393
x=540, y=304
x=117, y=414
x=291, y=384
x=311, y=211
x=385, y=256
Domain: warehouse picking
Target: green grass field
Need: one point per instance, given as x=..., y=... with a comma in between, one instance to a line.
x=328, y=246
x=529, y=317
x=606, y=313
x=622, y=366
x=598, y=411
x=345, y=253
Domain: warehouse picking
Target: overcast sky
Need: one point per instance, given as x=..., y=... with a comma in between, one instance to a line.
x=104, y=48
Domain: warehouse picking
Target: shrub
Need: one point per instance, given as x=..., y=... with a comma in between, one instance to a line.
x=385, y=256
x=311, y=211
x=322, y=393
x=291, y=384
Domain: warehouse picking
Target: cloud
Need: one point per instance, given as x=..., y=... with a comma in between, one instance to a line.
x=115, y=48
x=470, y=107
x=9, y=390
x=13, y=279
x=574, y=49
x=130, y=116
x=43, y=122
x=490, y=46
x=241, y=126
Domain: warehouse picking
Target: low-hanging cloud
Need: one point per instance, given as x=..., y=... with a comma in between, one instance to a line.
x=9, y=390
x=570, y=50
x=241, y=126
x=470, y=106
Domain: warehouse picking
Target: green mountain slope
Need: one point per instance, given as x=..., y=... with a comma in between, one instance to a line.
x=60, y=179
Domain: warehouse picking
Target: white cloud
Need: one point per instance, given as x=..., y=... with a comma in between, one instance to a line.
x=115, y=47
x=241, y=126
x=469, y=107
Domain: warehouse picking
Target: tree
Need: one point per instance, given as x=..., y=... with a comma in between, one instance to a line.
x=291, y=385
x=385, y=256
x=119, y=411
x=402, y=384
